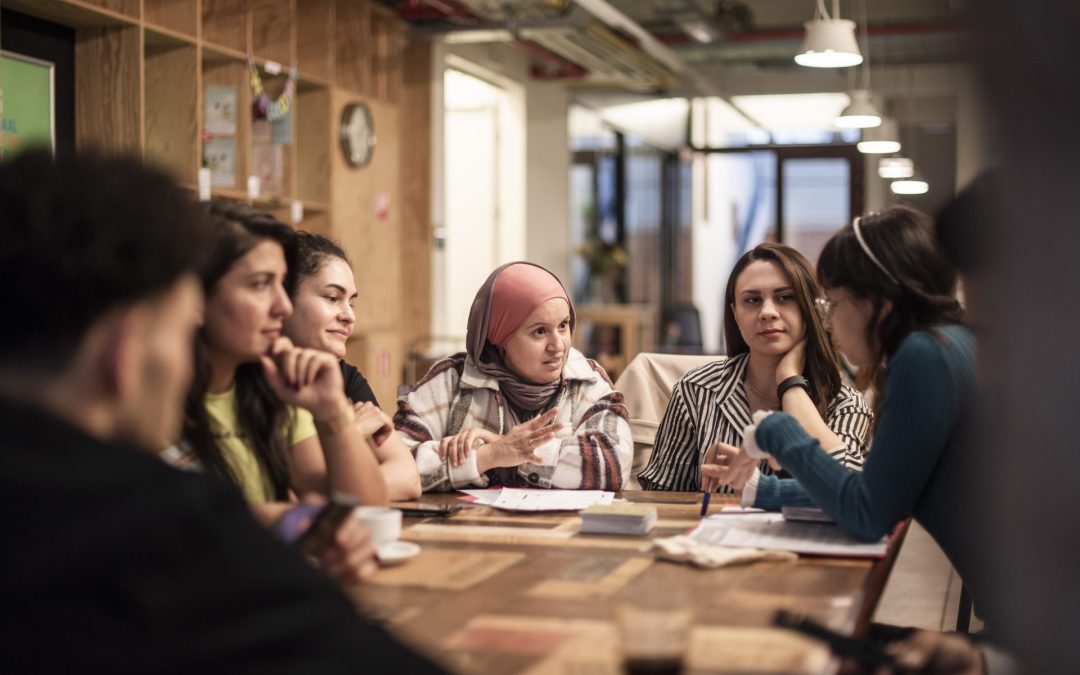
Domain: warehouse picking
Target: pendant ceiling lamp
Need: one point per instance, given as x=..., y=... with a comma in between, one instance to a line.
x=880, y=140
x=860, y=113
x=896, y=167
x=829, y=41
x=910, y=186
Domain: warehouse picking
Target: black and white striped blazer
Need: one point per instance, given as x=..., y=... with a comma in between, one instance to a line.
x=709, y=404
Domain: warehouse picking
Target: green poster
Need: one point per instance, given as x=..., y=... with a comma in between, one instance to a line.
x=26, y=101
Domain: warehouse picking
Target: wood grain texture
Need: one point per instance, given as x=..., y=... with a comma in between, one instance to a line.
x=108, y=83
x=553, y=610
x=181, y=16
x=128, y=7
x=171, y=111
x=315, y=140
x=352, y=46
x=416, y=239
x=224, y=22
x=314, y=46
x=271, y=30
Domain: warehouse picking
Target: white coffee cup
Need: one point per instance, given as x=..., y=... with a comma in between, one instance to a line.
x=384, y=523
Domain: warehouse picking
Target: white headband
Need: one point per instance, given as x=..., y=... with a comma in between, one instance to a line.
x=869, y=253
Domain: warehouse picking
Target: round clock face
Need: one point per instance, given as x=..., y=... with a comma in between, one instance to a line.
x=357, y=135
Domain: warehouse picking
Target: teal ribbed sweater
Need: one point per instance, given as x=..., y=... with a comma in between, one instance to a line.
x=922, y=463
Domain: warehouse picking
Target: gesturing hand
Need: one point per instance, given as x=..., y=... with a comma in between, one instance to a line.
x=518, y=446
x=726, y=465
x=306, y=378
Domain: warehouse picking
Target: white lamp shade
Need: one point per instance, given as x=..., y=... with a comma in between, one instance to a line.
x=896, y=167
x=860, y=113
x=880, y=140
x=910, y=186
x=829, y=43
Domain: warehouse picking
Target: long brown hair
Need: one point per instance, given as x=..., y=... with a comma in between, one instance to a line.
x=822, y=364
x=922, y=287
x=261, y=417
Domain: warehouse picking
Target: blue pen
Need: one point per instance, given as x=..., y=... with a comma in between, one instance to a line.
x=705, y=504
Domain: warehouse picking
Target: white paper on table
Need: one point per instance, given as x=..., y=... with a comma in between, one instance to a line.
x=527, y=499
x=771, y=531
x=483, y=497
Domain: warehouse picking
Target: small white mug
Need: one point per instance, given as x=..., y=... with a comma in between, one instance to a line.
x=384, y=523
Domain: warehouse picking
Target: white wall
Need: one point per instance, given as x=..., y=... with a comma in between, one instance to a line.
x=547, y=178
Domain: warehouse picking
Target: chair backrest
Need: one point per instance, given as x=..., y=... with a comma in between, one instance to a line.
x=682, y=329
x=646, y=387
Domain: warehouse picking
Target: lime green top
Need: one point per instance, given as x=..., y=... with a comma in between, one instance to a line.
x=253, y=480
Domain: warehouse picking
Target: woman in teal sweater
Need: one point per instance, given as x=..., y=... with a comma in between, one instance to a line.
x=891, y=307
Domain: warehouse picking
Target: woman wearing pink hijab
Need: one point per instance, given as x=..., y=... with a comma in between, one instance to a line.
x=521, y=407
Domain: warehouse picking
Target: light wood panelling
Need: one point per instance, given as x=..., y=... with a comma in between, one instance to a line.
x=224, y=23
x=416, y=239
x=126, y=7
x=108, y=77
x=170, y=109
x=177, y=15
x=380, y=355
x=353, y=46
x=315, y=140
x=271, y=30
x=314, y=48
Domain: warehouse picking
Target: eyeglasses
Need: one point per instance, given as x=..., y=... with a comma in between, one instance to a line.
x=824, y=307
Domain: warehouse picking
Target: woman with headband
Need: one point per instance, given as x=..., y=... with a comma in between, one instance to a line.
x=776, y=344
x=521, y=407
x=890, y=303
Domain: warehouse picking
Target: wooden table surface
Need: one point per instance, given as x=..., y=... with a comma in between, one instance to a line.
x=499, y=592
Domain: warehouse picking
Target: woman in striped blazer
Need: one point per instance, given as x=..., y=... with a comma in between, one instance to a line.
x=779, y=356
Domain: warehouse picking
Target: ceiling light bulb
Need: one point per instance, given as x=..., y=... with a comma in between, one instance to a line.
x=896, y=167
x=880, y=140
x=829, y=43
x=910, y=186
x=859, y=114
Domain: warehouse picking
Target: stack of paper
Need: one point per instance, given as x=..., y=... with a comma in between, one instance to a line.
x=532, y=499
x=618, y=518
x=771, y=531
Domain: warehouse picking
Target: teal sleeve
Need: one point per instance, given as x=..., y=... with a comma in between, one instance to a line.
x=914, y=427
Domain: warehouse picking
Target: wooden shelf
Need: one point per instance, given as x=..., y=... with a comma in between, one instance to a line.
x=108, y=105
x=178, y=16
x=125, y=7
x=158, y=37
x=171, y=112
x=233, y=73
x=314, y=48
x=271, y=30
x=225, y=23
x=314, y=143
x=71, y=13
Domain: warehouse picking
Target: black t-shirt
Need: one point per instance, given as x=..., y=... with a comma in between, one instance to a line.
x=356, y=387
x=114, y=562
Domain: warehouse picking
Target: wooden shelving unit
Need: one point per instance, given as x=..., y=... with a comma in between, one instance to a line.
x=142, y=68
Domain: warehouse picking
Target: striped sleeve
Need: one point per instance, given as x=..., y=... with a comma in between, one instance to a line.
x=849, y=418
x=674, y=464
x=421, y=420
x=599, y=453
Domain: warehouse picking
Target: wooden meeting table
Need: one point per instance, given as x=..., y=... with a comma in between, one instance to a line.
x=500, y=592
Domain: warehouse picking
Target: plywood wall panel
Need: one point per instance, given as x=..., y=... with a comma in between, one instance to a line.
x=108, y=89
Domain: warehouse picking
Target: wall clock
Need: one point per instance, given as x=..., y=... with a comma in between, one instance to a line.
x=357, y=135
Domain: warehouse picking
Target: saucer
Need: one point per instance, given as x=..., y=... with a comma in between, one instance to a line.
x=396, y=552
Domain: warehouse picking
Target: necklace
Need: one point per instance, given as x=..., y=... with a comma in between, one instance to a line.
x=770, y=401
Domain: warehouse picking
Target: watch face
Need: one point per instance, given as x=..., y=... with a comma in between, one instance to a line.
x=357, y=134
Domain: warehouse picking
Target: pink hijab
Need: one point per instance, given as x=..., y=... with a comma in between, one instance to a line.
x=511, y=293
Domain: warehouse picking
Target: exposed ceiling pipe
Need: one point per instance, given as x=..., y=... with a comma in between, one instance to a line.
x=796, y=34
x=420, y=10
x=619, y=21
